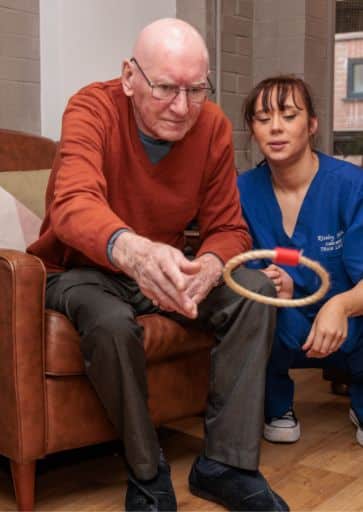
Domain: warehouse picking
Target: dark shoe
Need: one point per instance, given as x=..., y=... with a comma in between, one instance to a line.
x=236, y=489
x=151, y=495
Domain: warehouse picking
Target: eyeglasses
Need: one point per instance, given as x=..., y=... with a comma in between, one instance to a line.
x=167, y=92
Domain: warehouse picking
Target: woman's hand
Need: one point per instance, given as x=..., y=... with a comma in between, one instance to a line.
x=284, y=284
x=329, y=330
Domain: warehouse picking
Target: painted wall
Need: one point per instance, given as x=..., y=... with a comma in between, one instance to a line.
x=86, y=40
x=19, y=65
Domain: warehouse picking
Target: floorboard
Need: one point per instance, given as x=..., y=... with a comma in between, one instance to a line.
x=322, y=472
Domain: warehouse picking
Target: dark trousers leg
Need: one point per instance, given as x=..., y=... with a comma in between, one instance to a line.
x=112, y=347
x=244, y=333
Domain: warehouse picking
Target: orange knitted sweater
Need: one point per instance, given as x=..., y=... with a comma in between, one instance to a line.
x=102, y=180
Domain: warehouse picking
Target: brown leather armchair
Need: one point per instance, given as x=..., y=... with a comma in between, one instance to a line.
x=46, y=402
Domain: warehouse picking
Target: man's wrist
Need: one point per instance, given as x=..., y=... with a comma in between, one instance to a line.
x=211, y=257
x=111, y=243
x=215, y=264
x=130, y=251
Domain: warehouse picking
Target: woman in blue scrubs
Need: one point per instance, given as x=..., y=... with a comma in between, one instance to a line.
x=303, y=199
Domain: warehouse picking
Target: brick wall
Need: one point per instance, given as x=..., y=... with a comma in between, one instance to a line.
x=236, y=23
x=236, y=70
x=319, y=64
x=348, y=113
x=19, y=65
x=295, y=36
x=260, y=38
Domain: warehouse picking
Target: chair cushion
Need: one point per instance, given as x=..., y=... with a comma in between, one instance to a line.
x=22, y=199
x=163, y=339
x=19, y=226
x=28, y=187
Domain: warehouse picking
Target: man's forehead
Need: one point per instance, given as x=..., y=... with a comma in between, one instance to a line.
x=178, y=71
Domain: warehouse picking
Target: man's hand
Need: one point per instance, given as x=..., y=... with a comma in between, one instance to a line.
x=329, y=330
x=161, y=271
x=201, y=283
x=284, y=284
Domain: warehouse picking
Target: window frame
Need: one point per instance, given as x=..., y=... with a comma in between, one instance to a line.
x=351, y=95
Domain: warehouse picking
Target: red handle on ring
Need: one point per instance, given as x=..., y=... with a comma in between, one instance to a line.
x=290, y=257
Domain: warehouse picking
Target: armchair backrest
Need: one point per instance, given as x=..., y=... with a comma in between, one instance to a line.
x=23, y=151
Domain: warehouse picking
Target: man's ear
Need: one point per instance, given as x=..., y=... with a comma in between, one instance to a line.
x=127, y=76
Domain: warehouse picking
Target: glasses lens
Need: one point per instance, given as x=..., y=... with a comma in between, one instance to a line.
x=197, y=94
x=169, y=92
x=165, y=91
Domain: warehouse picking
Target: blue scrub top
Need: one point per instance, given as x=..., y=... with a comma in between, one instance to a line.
x=329, y=229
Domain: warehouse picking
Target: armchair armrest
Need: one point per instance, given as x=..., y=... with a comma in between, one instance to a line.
x=22, y=394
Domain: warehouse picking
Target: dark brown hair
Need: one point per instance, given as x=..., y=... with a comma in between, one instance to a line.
x=284, y=84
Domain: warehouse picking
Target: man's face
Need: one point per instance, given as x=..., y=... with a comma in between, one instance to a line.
x=166, y=119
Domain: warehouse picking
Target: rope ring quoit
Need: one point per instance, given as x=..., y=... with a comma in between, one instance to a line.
x=291, y=257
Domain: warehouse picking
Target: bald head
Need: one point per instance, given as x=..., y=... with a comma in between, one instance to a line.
x=169, y=56
x=170, y=38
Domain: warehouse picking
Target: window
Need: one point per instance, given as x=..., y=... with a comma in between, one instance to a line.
x=348, y=81
x=349, y=16
x=355, y=79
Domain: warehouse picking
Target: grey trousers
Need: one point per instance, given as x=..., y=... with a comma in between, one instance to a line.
x=102, y=306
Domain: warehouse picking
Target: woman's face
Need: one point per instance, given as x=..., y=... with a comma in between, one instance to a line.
x=283, y=135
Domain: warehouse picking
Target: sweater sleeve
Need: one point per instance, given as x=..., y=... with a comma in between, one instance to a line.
x=80, y=214
x=223, y=229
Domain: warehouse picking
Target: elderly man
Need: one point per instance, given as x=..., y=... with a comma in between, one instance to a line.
x=138, y=160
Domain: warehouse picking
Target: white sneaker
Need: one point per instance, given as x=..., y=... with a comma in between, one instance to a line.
x=285, y=429
x=354, y=419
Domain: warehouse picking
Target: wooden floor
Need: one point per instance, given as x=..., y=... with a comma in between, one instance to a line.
x=322, y=472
